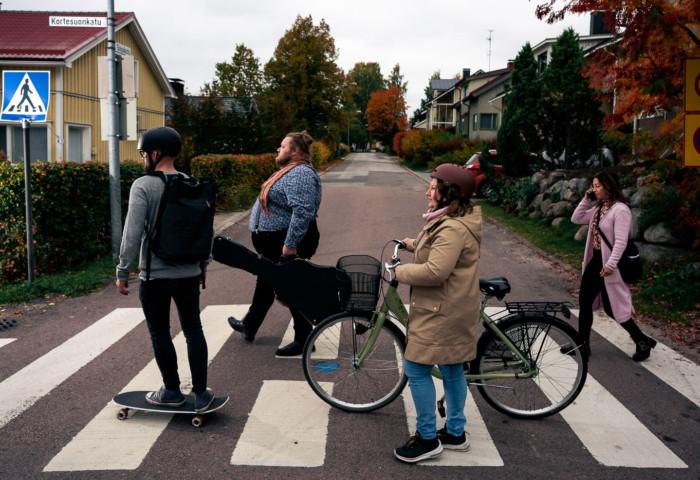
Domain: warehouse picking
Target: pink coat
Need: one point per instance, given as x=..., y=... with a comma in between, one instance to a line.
x=616, y=225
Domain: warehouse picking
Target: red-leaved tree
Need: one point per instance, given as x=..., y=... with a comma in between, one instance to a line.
x=644, y=67
x=386, y=114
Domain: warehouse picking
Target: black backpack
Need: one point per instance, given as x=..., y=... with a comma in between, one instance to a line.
x=184, y=226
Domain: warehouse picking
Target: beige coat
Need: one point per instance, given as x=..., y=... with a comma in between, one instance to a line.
x=443, y=323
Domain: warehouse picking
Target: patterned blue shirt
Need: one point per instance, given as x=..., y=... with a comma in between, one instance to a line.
x=293, y=202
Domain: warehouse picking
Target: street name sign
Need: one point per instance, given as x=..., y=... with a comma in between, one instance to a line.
x=25, y=95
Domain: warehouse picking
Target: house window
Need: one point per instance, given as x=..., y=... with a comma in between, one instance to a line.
x=475, y=122
x=38, y=144
x=488, y=121
x=541, y=62
x=78, y=143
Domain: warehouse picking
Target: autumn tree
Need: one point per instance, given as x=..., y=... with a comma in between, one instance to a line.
x=386, y=114
x=241, y=77
x=304, y=84
x=644, y=68
x=518, y=136
x=571, y=118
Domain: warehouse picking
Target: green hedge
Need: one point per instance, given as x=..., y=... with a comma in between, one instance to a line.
x=70, y=211
x=237, y=177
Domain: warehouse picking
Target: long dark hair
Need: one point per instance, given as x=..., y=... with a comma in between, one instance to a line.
x=611, y=183
x=450, y=197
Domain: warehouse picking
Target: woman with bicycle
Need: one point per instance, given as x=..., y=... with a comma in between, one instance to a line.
x=444, y=324
x=609, y=218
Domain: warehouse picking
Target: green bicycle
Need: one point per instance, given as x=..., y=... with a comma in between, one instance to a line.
x=529, y=363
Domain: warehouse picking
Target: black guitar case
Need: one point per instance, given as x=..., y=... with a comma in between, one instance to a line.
x=317, y=291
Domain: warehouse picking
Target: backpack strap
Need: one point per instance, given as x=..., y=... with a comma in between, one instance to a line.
x=151, y=230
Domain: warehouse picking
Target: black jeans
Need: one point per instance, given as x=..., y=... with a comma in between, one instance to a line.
x=269, y=245
x=155, y=298
x=592, y=284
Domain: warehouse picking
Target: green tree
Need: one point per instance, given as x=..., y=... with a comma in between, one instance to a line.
x=518, y=136
x=241, y=77
x=427, y=98
x=395, y=79
x=304, y=84
x=365, y=79
x=571, y=119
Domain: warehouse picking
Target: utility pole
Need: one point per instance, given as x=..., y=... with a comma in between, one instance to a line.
x=489, y=55
x=113, y=135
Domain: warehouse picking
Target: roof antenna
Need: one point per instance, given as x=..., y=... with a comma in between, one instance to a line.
x=489, y=39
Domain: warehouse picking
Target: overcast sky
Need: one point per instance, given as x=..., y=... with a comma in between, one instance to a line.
x=190, y=36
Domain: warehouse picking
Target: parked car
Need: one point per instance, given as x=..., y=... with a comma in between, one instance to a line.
x=483, y=186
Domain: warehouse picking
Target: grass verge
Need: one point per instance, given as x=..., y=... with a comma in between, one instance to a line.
x=70, y=284
x=668, y=292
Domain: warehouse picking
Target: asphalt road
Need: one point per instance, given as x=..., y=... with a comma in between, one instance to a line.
x=69, y=358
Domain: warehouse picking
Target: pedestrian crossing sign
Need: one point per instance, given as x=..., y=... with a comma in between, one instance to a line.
x=25, y=95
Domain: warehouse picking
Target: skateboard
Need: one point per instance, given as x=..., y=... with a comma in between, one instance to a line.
x=137, y=401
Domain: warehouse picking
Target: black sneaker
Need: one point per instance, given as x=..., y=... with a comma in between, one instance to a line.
x=453, y=442
x=203, y=400
x=643, y=349
x=417, y=449
x=239, y=326
x=165, y=397
x=291, y=350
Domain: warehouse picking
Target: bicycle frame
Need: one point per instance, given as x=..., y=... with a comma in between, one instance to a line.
x=393, y=304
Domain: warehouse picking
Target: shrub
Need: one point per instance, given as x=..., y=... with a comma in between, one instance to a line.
x=237, y=177
x=459, y=157
x=396, y=142
x=320, y=154
x=419, y=147
x=70, y=215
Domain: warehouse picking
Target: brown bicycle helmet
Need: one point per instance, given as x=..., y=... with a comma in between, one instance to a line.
x=452, y=174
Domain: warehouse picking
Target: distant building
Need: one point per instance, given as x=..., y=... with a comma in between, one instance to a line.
x=73, y=131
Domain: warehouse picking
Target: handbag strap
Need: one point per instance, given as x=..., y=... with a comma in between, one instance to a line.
x=600, y=231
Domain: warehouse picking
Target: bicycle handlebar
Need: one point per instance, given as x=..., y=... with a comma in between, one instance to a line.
x=395, y=260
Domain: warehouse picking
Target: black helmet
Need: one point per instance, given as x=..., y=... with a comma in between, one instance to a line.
x=164, y=139
x=452, y=174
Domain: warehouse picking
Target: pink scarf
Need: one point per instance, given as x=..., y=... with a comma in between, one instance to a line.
x=433, y=214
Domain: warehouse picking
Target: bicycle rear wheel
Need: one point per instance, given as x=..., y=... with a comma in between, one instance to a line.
x=331, y=363
x=559, y=378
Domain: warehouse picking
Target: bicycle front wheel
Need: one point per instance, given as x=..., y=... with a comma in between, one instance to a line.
x=335, y=371
x=560, y=372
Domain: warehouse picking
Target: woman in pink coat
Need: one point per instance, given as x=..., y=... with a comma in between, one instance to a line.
x=604, y=209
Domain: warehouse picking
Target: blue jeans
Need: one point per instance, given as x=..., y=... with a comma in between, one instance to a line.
x=423, y=392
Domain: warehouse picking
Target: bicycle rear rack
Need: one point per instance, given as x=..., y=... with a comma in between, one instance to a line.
x=540, y=307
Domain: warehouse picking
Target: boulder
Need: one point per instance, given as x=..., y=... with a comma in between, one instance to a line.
x=544, y=206
x=537, y=177
x=555, y=191
x=660, y=234
x=559, y=209
x=636, y=231
x=581, y=233
x=571, y=195
x=659, y=253
x=537, y=202
x=535, y=214
x=556, y=223
x=636, y=199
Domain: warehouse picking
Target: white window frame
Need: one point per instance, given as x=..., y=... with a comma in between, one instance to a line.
x=87, y=142
x=494, y=126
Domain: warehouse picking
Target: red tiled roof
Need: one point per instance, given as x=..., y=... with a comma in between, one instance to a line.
x=26, y=35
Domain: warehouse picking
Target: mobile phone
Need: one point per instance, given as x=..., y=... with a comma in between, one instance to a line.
x=590, y=195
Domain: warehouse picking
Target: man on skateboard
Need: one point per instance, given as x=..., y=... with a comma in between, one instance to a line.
x=161, y=280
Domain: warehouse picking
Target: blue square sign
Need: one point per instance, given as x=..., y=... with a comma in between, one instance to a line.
x=25, y=95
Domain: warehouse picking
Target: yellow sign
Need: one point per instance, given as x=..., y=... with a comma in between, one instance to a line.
x=691, y=151
x=692, y=85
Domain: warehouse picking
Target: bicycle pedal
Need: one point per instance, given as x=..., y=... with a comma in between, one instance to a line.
x=441, y=408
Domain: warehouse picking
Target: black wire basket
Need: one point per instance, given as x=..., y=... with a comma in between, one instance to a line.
x=365, y=273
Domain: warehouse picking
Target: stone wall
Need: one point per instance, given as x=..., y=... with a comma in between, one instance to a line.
x=559, y=195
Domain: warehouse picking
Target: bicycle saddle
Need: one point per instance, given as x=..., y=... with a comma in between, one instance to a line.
x=494, y=287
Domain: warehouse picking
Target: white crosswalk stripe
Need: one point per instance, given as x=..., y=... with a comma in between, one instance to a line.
x=275, y=435
x=6, y=341
x=109, y=444
x=287, y=427
x=670, y=366
x=483, y=452
x=21, y=390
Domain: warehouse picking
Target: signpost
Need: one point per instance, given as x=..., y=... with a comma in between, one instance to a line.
x=691, y=145
x=25, y=99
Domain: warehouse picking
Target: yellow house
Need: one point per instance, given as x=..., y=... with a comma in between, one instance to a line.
x=68, y=45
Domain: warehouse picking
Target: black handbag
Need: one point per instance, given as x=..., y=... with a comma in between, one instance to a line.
x=630, y=264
